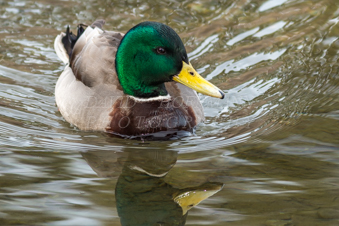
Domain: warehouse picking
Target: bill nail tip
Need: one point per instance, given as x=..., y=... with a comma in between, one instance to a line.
x=222, y=94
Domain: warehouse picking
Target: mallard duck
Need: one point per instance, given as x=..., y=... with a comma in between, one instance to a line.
x=134, y=84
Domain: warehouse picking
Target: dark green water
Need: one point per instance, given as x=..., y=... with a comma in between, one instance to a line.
x=272, y=143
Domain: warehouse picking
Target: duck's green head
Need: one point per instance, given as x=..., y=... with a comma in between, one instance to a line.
x=151, y=54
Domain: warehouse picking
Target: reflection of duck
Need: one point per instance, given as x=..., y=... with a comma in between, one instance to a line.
x=117, y=84
x=142, y=194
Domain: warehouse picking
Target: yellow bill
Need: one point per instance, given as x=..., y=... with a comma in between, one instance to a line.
x=190, y=78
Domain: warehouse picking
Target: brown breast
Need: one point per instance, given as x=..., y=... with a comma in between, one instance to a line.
x=131, y=117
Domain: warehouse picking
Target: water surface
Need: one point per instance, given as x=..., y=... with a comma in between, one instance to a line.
x=269, y=151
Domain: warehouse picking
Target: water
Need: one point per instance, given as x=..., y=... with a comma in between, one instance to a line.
x=268, y=152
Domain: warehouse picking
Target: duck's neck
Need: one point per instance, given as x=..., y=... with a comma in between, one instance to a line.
x=132, y=85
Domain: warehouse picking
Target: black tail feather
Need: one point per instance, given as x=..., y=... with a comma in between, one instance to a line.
x=70, y=39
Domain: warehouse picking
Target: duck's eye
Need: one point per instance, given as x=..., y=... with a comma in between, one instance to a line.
x=161, y=50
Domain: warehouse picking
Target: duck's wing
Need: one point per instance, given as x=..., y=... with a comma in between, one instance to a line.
x=94, y=62
x=64, y=42
x=88, y=88
x=90, y=53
